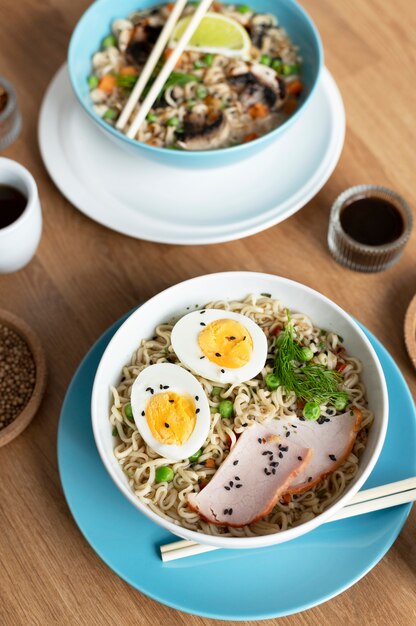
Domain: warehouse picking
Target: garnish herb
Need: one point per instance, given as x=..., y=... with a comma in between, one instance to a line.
x=313, y=382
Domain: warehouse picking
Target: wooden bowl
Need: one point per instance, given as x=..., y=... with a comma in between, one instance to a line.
x=24, y=418
x=410, y=330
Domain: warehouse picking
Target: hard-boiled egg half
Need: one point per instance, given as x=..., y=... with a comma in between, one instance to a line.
x=221, y=346
x=171, y=410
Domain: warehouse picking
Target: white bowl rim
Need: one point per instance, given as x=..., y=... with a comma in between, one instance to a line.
x=259, y=540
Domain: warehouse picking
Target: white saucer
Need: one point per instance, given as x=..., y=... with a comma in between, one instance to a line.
x=143, y=199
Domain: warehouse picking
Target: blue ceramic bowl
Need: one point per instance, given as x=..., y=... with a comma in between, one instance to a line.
x=95, y=24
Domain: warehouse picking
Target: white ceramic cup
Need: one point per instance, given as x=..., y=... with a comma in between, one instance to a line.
x=19, y=240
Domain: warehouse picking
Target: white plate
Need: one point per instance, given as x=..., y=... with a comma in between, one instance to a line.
x=143, y=199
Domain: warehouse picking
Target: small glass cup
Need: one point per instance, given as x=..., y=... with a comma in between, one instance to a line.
x=362, y=257
x=10, y=119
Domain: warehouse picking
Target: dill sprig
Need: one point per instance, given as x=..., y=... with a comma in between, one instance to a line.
x=311, y=382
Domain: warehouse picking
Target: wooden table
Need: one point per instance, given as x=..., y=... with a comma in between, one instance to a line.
x=85, y=276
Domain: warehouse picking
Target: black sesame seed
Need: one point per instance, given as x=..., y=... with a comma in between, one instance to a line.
x=230, y=511
x=197, y=411
x=201, y=357
x=231, y=338
x=273, y=471
x=237, y=478
x=217, y=354
x=235, y=462
x=302, y=419
x=327, y=419
x=266, y=471
x=171, y=401
x=202, y=324
x=222, y=371
x=309, y=479
x=231, y=483
x=294, y=426
x=143, y=413
x=274, y=464
x=160, y=386
x=238, y=486
x=165, y=386
x=227, y=488
x=332, y=457
x=197, y=398
x=244, y=425
x=284, y=448
x=280, y=455
x=288, y=433
x=166, y=425
x=225, y=511
x=300, y=458
x=201, y=312
x=244, y=338
x=259, y=439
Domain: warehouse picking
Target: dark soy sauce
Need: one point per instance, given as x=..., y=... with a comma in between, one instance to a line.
x=12, y=205
x=372, y=221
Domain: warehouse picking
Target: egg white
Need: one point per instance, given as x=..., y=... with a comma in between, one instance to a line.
x=182, y=382
x=184, y=340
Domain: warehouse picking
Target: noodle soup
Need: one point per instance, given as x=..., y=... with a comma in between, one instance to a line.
x=213, y=99
x=237, y=407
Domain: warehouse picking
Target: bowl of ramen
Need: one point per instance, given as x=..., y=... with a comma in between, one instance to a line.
x=239, y=409
x=246, y=75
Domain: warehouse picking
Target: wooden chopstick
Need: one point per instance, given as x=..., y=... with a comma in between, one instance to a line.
x=367, y=501
x=151, y=63
x=167, y=68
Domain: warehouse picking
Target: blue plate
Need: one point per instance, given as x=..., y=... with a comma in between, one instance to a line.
x=268, y=582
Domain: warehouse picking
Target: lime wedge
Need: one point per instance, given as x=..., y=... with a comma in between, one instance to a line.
x=217, y=34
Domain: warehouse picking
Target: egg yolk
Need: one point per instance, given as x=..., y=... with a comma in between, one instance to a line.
x=227, y=343
x=171, y=417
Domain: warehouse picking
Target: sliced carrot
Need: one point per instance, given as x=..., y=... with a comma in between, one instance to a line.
x=128, y=70
x=294, y=88
x=276, y=330
x=216, y=7
x=286, y=498
x=258, y=110
x=210, y=463
x=152, y=142
x=170, y=6
x=249, y=137
x=203, y=482
x=341, y=367
x=107, y=83
x=290, y=106
x=168, y=53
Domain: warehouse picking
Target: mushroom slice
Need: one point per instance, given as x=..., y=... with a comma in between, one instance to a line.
x=259, y=84
x=204, y=130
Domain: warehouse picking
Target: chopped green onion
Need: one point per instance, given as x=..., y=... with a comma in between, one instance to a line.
x=201, y=91
x=277, y=65
x=110, y=114
x=164, y=474
x=311, y=411
x=208, y=59
x=216, y=391
x=305, y=354
x=266, y=295
x=173, y=147
x=93, y=81
x=108, y=42
x=151, y=117
x=341, y=338
x=244, y=8
x=199, y=64
x=190, y=103
x=213, y=410
x=265, y=59
x=114, y=432
x=173, y=121
x=341, y=402
x=194, y=457
x=126, y=81
x=272, y=382
x=226, y=408
x=128, y=411
x=288, y=70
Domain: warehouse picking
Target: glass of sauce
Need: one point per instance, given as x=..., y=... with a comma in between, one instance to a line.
x=369, y=227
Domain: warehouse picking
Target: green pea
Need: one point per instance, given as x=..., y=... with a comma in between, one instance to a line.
x=208, y=59
x=305, y=354
x=265, y=59
x=128, y=411
x=201, y=91
x=311, y=411
x=341, y=402
x=173, y=121
x=277, y=65
x=93, y=81
x=151, y=117
x=272, y=382
x=110, y=114
x=194, y=457
x=244, y=8
x=216, y=391
x=288, y=70
x=164, y=474
x=108, y=42
x=226, y=408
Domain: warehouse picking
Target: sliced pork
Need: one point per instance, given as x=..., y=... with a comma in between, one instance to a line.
x=259, y=469
x=331, y=439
